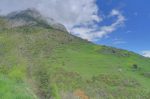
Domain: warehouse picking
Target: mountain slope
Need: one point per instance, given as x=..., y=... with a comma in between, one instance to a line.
x=47, y=63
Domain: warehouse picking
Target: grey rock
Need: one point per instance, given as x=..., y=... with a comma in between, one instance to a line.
x=31, y=17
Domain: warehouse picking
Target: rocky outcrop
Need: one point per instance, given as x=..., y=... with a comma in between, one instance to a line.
x=31, y=17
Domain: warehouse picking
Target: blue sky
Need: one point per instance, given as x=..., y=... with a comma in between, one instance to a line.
x=135, y=34
x=119, y=23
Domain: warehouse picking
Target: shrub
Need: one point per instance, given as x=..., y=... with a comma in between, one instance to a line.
x=135, y=66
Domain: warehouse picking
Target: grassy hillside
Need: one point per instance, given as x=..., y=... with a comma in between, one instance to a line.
x=45, y=63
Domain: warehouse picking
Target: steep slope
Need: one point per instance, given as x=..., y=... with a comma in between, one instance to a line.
x=47, y=63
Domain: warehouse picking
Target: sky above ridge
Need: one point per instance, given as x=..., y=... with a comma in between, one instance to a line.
x=120, y=23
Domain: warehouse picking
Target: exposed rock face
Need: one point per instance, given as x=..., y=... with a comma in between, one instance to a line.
x=32, y=17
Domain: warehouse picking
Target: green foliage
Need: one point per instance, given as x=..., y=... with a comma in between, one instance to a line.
x=116, y=80
x=17, y=72
x=43, y=82
x=12, y=89
x=135, y=66
x=55, y=91
x=3, y=23
x=53, y=62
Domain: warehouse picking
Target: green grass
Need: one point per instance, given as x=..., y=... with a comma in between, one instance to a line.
x=36, y=62
x=12, y=89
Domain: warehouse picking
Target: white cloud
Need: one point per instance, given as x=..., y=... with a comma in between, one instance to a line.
x=71, y=12
x=80, y=17
x=95, y=32
x=118, y=41
x=146, y=53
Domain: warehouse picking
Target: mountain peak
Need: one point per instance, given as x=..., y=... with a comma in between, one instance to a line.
x=32, y=17
x=24, y=13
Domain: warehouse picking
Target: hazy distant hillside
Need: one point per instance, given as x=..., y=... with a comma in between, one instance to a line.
x=39, y=60
x=32, y=17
